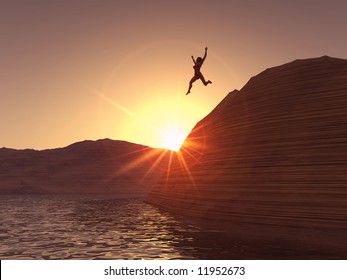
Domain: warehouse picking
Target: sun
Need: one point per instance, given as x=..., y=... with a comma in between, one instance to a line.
x=172, y=139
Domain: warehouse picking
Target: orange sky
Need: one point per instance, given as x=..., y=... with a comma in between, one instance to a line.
x=76, y=70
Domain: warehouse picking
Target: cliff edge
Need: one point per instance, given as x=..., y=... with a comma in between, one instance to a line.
x=270, y=156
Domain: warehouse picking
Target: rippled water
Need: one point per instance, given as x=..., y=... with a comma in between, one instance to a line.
x=89, y=227
x=68, y=227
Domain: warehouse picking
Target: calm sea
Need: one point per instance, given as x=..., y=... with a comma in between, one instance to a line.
x=73, y=227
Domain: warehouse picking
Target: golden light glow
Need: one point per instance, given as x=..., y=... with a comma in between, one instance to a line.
x=149, y=107
x=172, y=139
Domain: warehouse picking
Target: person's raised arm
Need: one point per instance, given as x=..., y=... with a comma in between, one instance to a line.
x=193, y=59
x=203, y=59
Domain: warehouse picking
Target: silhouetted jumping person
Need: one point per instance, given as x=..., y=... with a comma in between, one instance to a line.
x=197, y=74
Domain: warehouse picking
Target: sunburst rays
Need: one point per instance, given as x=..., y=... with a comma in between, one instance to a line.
x=188, y=155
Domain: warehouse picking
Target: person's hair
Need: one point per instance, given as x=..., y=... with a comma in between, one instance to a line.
x=199, y=59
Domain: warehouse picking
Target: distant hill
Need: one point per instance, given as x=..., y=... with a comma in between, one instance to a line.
x=271, y=159
x=93, y=167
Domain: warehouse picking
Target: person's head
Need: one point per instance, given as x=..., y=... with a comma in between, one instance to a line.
x=199, y=60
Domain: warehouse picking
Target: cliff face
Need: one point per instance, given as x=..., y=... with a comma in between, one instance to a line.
x=273, y=153
x=103, y=166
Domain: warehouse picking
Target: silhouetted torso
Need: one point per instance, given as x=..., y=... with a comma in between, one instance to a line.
x=197, y=67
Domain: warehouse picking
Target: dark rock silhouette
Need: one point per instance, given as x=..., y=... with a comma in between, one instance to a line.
x=270, y=161
x=103, y=166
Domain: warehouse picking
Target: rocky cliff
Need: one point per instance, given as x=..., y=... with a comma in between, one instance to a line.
x=97, y=167
x=272, y=155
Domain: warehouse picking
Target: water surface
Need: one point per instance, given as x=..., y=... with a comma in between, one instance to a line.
x=103, y=227
x=72, y=227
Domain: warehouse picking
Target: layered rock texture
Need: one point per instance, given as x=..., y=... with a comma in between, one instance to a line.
x=93, y=167
x=270, y=156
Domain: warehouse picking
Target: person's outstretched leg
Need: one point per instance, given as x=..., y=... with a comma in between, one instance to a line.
x=191, y=84
x=190, y=87
x=203, y=80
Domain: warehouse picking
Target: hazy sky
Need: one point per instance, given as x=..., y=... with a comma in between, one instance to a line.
x=76, y=70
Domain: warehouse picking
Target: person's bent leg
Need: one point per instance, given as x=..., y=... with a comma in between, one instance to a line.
x=204, y=81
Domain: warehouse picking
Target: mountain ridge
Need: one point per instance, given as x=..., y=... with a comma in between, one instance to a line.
x=100, y=166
